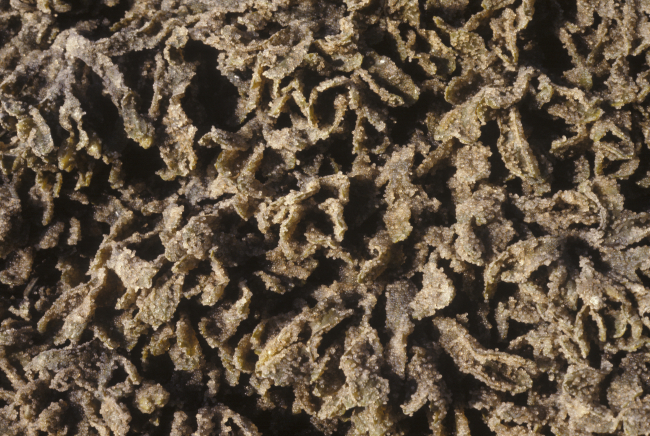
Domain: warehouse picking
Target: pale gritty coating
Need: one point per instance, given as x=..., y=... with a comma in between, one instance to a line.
x=338, y=217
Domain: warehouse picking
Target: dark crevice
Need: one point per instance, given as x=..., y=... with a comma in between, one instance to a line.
x=549, y=51
x=477, y=424
x=101, y=17
x=101, y=115
x=138, y=70
x=407, y=120
x=207, y=87
x=490, y=134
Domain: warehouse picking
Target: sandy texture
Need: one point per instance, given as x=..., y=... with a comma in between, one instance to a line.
x=324, y=217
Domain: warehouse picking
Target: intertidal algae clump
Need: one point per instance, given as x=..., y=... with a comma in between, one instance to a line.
x=324, y=217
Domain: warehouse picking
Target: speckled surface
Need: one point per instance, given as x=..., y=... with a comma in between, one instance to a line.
x=359, y=217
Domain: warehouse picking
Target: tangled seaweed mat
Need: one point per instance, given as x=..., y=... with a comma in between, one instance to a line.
x=302, y=217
